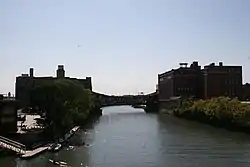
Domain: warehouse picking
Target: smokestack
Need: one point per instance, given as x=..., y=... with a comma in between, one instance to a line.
x=31, y=72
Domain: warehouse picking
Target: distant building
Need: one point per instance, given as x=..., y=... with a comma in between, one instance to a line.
x=8, y=116
x=222, y=80
x=25, y=83
x=192, y=81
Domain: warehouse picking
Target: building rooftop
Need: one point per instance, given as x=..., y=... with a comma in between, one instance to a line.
x=195, y=65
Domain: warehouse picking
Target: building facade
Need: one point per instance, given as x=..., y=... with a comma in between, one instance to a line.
x=26, y=82
x=184, y=81
x=222, y=81
x=192, y=81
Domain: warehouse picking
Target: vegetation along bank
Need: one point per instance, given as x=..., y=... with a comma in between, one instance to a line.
x=223, y=112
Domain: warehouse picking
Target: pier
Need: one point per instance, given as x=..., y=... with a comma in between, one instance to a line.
x=32, y=153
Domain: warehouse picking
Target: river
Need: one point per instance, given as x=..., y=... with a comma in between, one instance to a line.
x=128, y=137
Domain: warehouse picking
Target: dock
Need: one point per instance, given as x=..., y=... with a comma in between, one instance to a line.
x=32, y=153
x=71, y=132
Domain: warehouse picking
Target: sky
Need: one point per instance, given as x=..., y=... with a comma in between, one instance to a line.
x=122, y=44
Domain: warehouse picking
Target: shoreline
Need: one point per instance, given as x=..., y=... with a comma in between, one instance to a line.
x=221, y=124
x=44, y=144
x=220, y=112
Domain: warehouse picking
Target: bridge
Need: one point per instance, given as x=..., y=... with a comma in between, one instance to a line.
x=12, y=145
x=7, y=97
x=107, y=100
x=110, y=100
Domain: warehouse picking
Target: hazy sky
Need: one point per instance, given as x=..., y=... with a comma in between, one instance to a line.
x=124, y=44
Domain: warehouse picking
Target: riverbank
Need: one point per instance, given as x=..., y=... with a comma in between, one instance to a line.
x=139, y=106
x=220, y=112
x=44, y=142
x=32, y=153
x=152, y=105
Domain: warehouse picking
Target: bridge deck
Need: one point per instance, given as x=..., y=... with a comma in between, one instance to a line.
x=12, y=145
x=32, y=153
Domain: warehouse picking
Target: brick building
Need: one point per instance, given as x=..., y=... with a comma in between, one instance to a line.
x=222, y=80
x=26, y=82
x=192, y=81
x=184, y=81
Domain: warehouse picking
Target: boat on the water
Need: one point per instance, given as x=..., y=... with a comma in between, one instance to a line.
x=139, y=106
x=55, y=147
x=61, y=163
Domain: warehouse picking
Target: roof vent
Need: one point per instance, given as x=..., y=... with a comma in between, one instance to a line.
x=183, y=64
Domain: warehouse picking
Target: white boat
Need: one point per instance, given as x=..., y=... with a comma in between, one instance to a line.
x=61, y=163
x=55, y=147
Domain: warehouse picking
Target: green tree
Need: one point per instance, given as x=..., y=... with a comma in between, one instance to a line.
x=65, y=102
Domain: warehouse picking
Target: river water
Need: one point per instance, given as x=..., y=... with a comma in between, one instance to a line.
x=128, y=137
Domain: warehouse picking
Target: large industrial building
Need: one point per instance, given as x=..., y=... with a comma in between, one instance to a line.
x=222, y=81
x=26, y=82
x=212, y=81
x=184, y=81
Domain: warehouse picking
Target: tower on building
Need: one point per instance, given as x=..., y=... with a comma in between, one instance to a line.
x=60, y=72
x=31, y=72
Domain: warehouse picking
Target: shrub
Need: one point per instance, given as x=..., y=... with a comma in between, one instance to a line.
x=221, y=108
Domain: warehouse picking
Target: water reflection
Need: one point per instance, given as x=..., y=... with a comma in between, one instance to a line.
x=193, y=144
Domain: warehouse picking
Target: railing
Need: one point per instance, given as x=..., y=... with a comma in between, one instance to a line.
x=12, y=145
x=32, y=127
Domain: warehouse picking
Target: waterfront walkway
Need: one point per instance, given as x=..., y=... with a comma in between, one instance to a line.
x=32, y=153
x=12, y=145
x=21, y=149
